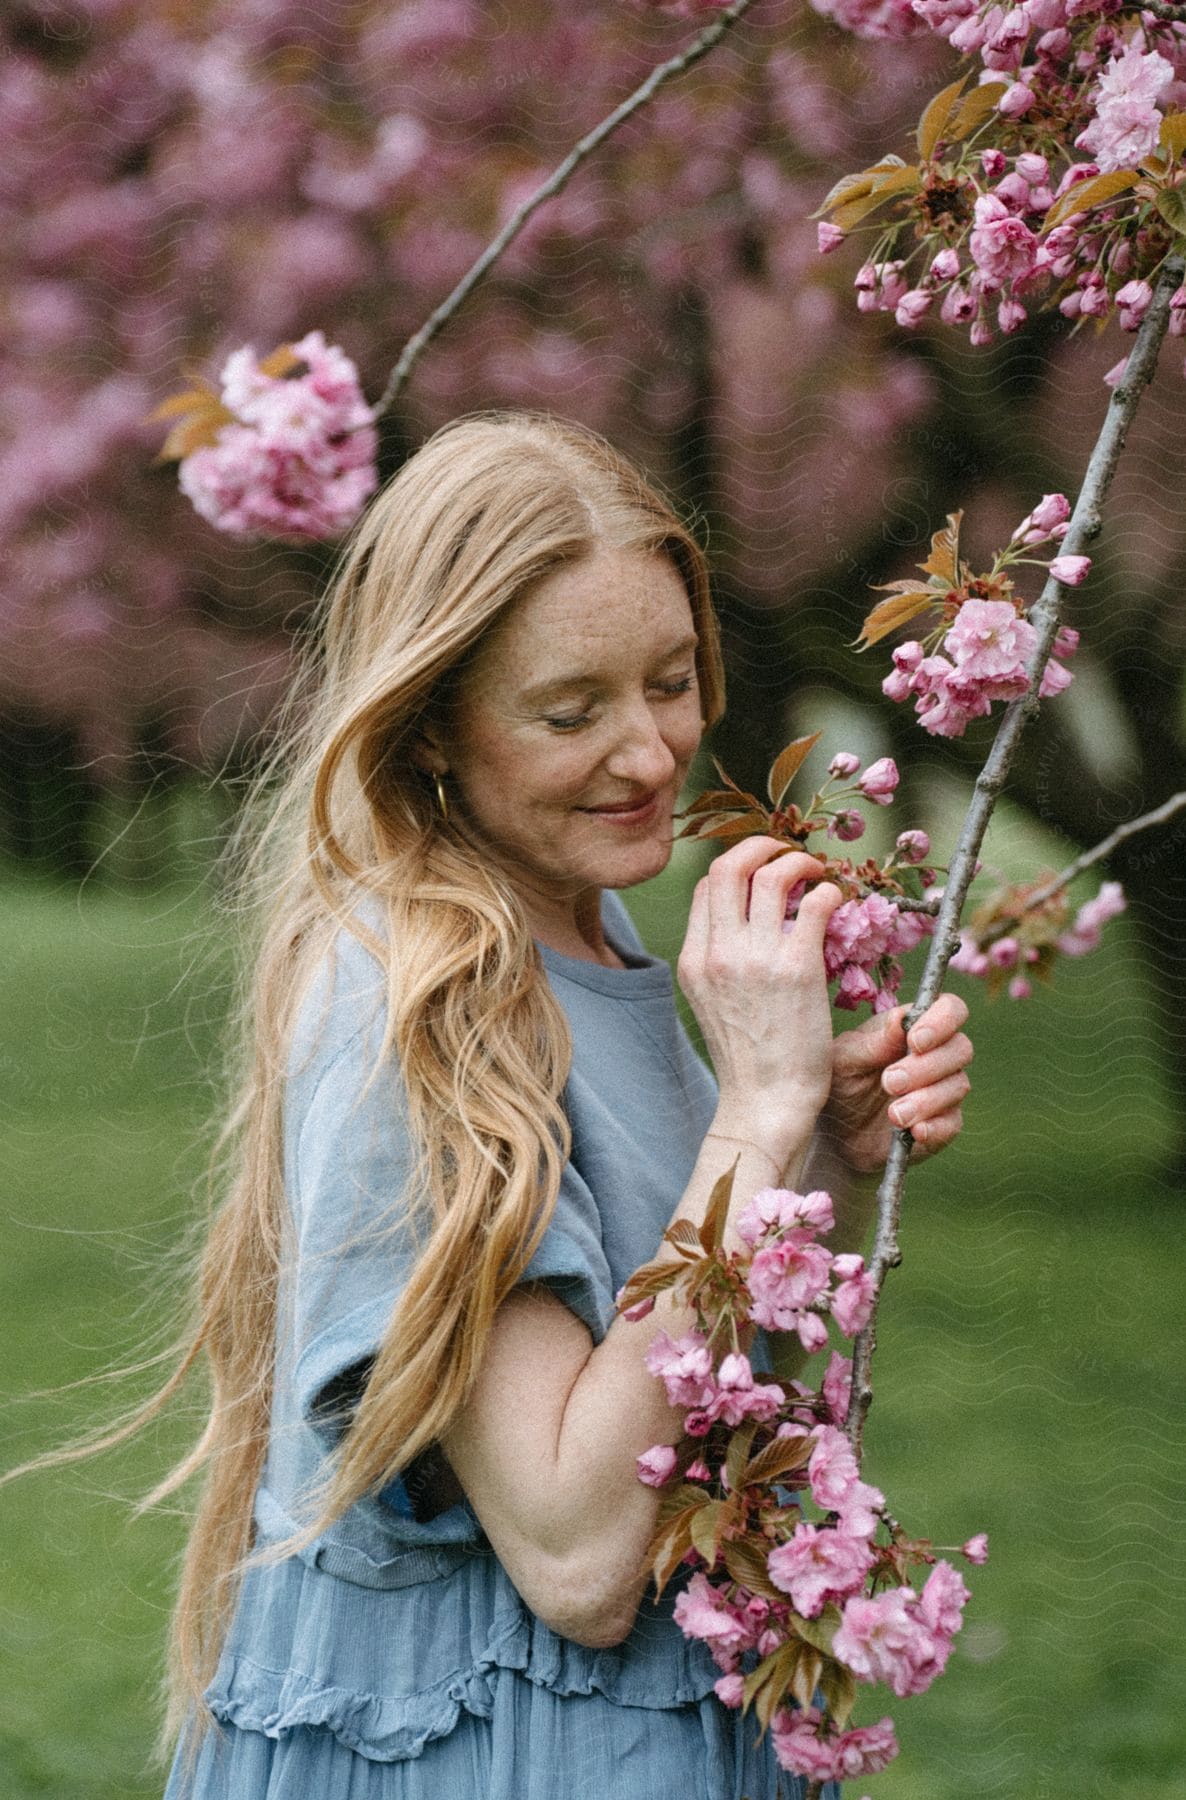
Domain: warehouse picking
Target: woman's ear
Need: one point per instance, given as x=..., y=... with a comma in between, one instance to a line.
x=426, y=752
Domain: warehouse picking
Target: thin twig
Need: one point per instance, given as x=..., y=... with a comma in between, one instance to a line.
x=1084, y=527
x=1099, y=851
x=675, y=65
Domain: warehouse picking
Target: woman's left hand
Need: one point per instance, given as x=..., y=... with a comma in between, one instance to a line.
x=881, y=1080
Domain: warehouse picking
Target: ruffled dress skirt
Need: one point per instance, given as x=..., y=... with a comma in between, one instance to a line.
x=452, y=1690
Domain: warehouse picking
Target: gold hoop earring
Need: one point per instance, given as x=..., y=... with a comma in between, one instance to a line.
x=441, y=800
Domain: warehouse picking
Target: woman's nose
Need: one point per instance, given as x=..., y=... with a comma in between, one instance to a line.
x=642, y=753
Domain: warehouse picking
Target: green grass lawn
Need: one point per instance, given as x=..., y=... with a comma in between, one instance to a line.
x=1029, y=1379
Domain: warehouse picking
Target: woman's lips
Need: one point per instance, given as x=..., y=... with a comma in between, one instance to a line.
x=628, y=812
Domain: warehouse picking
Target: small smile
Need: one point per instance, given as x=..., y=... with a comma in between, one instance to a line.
x=627, y=812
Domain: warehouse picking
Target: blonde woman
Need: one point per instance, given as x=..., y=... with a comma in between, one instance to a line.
x=469, y=1112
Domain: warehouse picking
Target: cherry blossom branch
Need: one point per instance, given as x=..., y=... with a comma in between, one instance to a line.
x=675, y=65
x=1099, y=851
x=1084, y=527
x=1160, y=9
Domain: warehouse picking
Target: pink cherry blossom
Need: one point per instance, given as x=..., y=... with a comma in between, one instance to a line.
x=1127, y=123
x=299, y=459
x=843, y=764
x=702, y=1611
x=730, y=1689
x=837, y=1385
x=685, y=1367
x=777, y=1210
x=943, y=1598
x=913, y=847
x=879, y=781
x=1070, y=570
x=852, y=1300
x=834, y=1756
x=1001, y=246
x=847, y=826
x=819, y=1564
x=829, y=236
x=832, y=1468
x=783, y=1279
x=1084, y=934
x=990, y=645
x=655, y=1465
x=888, y=1638
x=976, y=1548
x=738, y=1396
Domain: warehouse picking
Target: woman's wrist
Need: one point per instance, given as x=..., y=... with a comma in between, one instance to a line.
x=781, y=1135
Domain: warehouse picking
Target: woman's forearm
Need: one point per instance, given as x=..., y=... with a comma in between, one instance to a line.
x=616, y=1408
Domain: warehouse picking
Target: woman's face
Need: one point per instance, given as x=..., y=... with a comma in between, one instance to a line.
x=573, y=729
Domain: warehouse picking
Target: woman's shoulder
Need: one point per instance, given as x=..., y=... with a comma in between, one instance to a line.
x=343, y=989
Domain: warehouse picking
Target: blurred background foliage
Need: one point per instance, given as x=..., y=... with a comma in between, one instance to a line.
x=179, y=179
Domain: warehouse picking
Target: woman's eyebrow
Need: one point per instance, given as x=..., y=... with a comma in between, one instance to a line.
x=582, y=682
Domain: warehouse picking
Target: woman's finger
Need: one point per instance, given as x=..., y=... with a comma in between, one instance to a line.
x=935, y=1134
x=731, y=874
x=913, y=1072
x=943, y=1017
x=772, y=883
x=811, y=922
x=929, y=1102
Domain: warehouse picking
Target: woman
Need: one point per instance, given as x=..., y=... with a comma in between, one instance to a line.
x=470, y=1115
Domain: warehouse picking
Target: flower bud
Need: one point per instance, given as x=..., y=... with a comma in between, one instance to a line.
x=913, y=846
x=844, y=763
x=828, y=236
x=1071, y=570
x=879, y=781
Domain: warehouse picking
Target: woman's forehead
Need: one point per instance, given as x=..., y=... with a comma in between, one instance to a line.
x=611, y=608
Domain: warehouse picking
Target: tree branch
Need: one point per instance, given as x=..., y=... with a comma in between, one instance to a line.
x=1105, y=847
x=675, y=65
x=1084, y=527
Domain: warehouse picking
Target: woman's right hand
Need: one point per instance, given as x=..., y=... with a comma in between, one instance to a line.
x=760, y=993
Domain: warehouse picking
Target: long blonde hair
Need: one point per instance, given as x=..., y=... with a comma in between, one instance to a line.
x=491, y=503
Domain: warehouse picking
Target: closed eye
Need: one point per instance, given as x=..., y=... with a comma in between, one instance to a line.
x=670, y=690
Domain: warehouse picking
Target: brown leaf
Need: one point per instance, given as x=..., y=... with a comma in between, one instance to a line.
x=887, y=615
x=1092, y=192
x=943, y=560
x=806, y=1675
x=712, y=1231
x=937, y=116
x=746, y=1563
x=683, y=1234
x=724, y=800
x=820, y=1631
x=852, y=187
x=787, y=764
x=191, y=400
x=279, y=361
x=1172, y=136
x=899, y=181
x=975, y=108
x=706, y=1531
x=193, y=433
x=779, y=1457
x=730, y=831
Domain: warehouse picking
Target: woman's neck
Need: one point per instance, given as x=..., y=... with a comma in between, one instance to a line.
x=575, y=930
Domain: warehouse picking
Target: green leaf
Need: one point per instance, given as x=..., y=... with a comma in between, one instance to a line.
x=706, y=1531
x=839, y=1688
x=936, y=116
x=1171, y=204
x=787, y=764
x=1092, y=192
x=818, y=1632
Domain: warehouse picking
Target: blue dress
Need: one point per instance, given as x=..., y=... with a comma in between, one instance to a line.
x=393, y=1659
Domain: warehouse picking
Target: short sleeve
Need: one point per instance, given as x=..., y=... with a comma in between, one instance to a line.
x=352, y=1161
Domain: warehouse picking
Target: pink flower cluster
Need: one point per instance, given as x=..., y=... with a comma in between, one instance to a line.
x=987, y=649
x=729, y=1394
x=790, y=1275
x=299, y=459
x=1110, y=86
x=901, y=1637
x=779, y=1277
x=808, y=1745
x=1031, y=941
